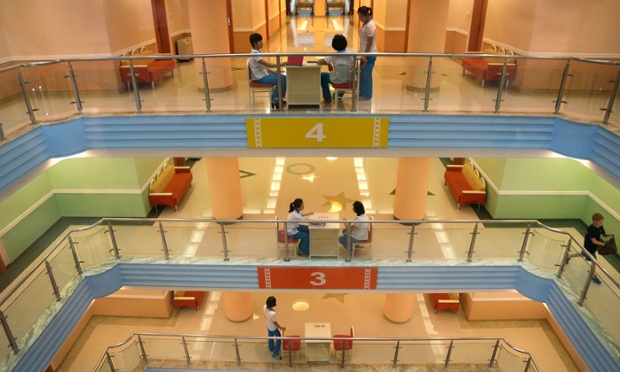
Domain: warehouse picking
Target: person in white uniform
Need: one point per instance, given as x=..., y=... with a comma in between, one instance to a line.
x=273, y=327
x=295, y=230
x=359, y=228
x=368, y=44
x=260, y=72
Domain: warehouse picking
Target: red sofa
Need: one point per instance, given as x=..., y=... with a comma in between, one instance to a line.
x=465, y=184
x=169, y=186
x=188, y=298
x=146, y=70
x=444, y=301
x=490, y=69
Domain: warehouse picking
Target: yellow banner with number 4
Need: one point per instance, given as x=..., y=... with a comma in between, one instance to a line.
x=270, y=133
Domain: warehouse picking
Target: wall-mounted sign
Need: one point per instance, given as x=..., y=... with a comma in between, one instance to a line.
x=318, y=132
x=317, y=277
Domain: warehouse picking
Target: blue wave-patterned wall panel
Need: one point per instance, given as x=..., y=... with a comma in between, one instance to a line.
x=223, y=276
x=606, y=151
x=20, y=156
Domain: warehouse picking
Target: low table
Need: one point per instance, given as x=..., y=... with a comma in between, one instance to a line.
x=318, y=350
x=324, y=237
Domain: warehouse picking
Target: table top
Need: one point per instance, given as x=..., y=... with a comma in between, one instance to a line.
x=305, y=65
x=325, y=217
x=318, y=330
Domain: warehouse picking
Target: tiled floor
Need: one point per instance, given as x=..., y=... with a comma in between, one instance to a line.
x=364, y=311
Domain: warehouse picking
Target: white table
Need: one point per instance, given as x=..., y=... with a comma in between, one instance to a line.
x=318, y=350
x=324, y=237
x=303, y=85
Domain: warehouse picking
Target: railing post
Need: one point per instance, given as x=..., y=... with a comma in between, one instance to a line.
x=564, y=258
x=342, y=354
x=22, y=84
x=286, y=255
x=565, y=75
x=612, y=98
x=525, y=240
x=76, y=259
x=500, y=86
x=290, y=354
x=395, y=361
x=134, y=84
x=494, y=355
x=584, y=292
x=164, y=244
x=427, y=89
x=188, y=359
x=2, y=137
x=237, y=354
x=470, y=253
x=48, y=267
x=279, y=76
x=76, y=93
x=349, y=245
x=142, y=351
x=205, y=83
x=8, y=333
x=224, y=243
x=447, y=362
x=527, y=364
x=110, y=361
x=410, y=249
x=113, y=239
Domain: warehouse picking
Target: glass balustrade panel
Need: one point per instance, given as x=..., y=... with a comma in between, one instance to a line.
x=508, y=360
x=101, y=89
x=454, y=89
x=229, y=81
x=63, y=266
x=223, y=350
x=588, y=90
x=532, y=87
x=398, y=86
x=163, y=349
x=471, y=352
x=128, y=358
x=24, y=309
x=602, y=300
x=105, y=367
x=391, y=240
x=377, y=353
x=576, y=272
x=50, y=91
x=93, y=246
x=193, y=239
x=499, y=240
x=449, y=240
x=614, y=117
x=139, y=240
x=545, y=249
x=423, y=352
x=13, y=110
x=5, y=350
x=254, y=240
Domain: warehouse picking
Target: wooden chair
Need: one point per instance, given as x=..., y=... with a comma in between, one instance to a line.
x=292, y=345
x=353, y=87
x=254, y=87
x=282, y=238
x=366, y=245
x=344, y=345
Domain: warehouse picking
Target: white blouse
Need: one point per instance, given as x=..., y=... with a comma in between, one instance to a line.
x=361, y=228
x=291, y=227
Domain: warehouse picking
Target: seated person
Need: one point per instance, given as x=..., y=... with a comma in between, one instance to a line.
x=260, y=72
x=359, y=228
x=340, y=67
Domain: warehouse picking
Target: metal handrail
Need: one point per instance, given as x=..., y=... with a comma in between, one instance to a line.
x=234, y=339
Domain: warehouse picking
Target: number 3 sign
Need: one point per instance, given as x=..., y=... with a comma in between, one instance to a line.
x=324, y=132
x=317, y=277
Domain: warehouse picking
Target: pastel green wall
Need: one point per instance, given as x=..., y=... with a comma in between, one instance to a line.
x=35, y=223
x=548, y=188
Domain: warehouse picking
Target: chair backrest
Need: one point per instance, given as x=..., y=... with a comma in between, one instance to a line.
x=249, y=70
x=292, y=345
x=369, y=239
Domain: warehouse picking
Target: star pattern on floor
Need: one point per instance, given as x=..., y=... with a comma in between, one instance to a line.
x=337, y=296
x=341, y=199
x=244, y=174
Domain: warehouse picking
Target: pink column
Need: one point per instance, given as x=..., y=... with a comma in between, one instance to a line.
x=238, y=306
x=412, y=188
x=397, y=307
x=225, y=188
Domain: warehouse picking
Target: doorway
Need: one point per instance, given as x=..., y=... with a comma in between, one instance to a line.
x=476, y=32
x=160, y=20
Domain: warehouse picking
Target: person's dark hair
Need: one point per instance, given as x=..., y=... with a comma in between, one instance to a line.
x=271, y=301
x=358, y=207
x=296, y=204
x=339, y=42
x=364, y=10
x=255, y=38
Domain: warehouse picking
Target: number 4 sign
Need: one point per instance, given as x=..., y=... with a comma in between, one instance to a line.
x=317, y=277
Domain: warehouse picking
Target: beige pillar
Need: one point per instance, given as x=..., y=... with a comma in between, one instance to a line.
x=209, y=27
x=238, y=306
x=225, y=188
x=412, y=180
x=397, y=307
x=428, y=21
x=319, y=8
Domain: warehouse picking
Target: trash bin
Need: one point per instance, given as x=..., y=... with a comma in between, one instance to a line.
x=184, y=46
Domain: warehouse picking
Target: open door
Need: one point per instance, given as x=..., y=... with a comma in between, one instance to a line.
x=476, y=32
x=231, y=33
x=160, y=20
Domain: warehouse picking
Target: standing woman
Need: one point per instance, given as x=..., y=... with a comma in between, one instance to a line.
x=368, y=44
x=297, y=231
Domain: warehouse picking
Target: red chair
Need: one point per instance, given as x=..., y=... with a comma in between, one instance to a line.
x=292, y=345
x=293, y=244
x=344, y=345
x=255, y=87
x=366, y=245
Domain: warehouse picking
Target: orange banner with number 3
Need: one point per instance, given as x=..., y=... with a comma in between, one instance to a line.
x=317, y=277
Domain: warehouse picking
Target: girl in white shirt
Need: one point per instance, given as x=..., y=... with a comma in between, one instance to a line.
x=368, y=44
x=297, y=231
x=359, y=228
x=273, y=327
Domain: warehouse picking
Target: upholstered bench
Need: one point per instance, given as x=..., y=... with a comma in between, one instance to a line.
x=169, y=186
x=444, y=301
x=188, y=298
x=465, y=184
